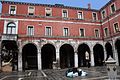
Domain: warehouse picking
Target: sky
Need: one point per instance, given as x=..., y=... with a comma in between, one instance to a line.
x=95, y=4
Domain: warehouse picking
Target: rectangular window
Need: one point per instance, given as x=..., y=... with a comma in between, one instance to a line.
x=112, y=8
x=48, y=31
x=31, y=10
x=82, y=33
x=12, y=10
x=65, y=33
x=103, y=13
x=116, y=27
x=48, y=12
x=65, y=13
x=97, y=33
x=80, y=15
x=30, y=31
x=106, y=33
x=95, y=16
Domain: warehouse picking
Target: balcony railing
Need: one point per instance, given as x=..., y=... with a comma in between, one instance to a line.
x=9, y=37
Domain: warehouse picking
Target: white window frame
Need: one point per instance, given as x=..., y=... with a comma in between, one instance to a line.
x=111, y=8
x=114, y=27
x=63, y=15
x=93, y=16
x=64, y=32
x=10, y=9
x=98, y=32
x=105, y=33
x=46, y=32
x=80, y=32
x=34, y=9
x=102, y=14
x=50, y=9
x=78, y=14
x=6, y=22
x=33, y=30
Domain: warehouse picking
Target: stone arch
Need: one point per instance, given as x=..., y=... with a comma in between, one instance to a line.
x=109, y=50
x=66, y=56
x=9, y=53
x=29, y=56
x=117, y=47
x=48, y=56
x=82, y=49
x=98, y=51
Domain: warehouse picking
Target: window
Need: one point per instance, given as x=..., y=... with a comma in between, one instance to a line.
x=31, y=10
x=113, y=8
x=94, y=16
x=97, y=34
x=80, y=15
x=11, y=28
x=82, y=33
x=106, y=33
x=48, y=31
x=65, y=33
x=48, y=12
x=30, y=31
x=12, y=10
x=116, y=27
x=103, y=13
x=65, y=13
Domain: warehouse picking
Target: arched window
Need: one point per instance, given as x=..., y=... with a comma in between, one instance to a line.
x=11, y=28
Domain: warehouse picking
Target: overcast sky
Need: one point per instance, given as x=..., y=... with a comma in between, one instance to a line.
x=95, y=4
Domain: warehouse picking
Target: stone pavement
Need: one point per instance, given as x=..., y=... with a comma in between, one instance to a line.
x=94, y=73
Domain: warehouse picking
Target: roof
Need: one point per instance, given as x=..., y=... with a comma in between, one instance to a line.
x=107, y=4
x=49, y=5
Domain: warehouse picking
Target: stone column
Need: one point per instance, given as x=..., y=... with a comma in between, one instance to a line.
x=20, y=57
x=115, y=54
x=92, y=58
x=39, y=59
x=58, y=57
x=76, y=59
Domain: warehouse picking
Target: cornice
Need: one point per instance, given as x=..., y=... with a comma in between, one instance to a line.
x=49, y=5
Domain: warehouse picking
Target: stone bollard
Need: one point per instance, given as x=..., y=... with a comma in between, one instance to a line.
x=111, y=68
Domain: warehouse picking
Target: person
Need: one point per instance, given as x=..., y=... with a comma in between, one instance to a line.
x=87, y=59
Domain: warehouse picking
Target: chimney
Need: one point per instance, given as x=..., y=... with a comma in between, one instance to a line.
x=89, y=6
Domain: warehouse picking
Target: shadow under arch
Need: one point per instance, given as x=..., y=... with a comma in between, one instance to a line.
x=66, y=56
x=29, y=57
x=117, y=46
x=109, y=50
x=48, y=56
x=98, y=55
x=82, y=62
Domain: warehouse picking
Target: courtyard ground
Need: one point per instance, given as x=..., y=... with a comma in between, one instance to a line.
x=94, y=73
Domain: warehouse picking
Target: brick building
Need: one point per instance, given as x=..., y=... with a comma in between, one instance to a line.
x=43, y=36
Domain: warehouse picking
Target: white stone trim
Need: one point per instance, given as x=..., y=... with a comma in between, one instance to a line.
x=67, y=13
x=102, y=14
x=51, y=30
x=68, y=31
x=78, y=14
x=98, y=32
x=114, y=26
x=93, y=16
x=15, y=8
x=27, y=30
x=111, y=19
x=52, y=21
x=8, y=21
x=80, y=32
x=114, y=6
x=46, y=12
